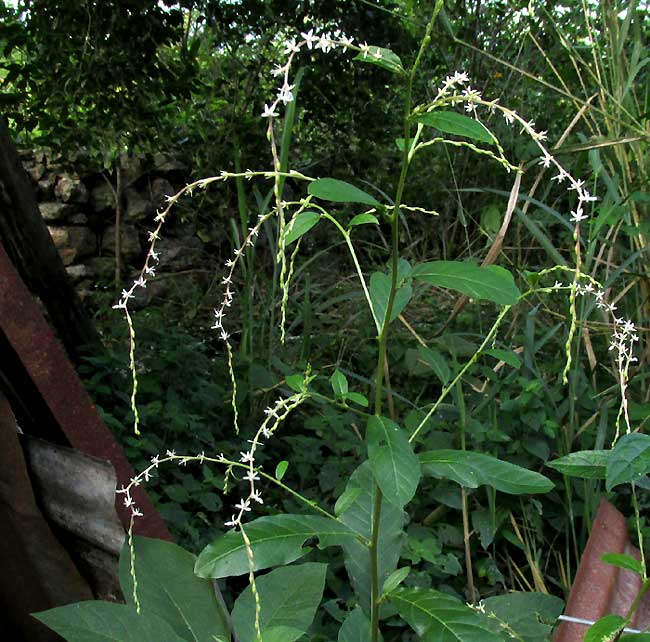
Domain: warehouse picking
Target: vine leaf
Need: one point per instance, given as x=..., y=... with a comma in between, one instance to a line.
x=393, y=463
x=628, y=461
x=491, y=283
x=622, y=560
x=606, y=629
x=289, y=597
x=379, y=292
x=299, y=225
x=472, y=470
x=585, y=464
x=451, y=122
x=331, y=189
x=382, y=57
x=275, y=540
x=435, y=616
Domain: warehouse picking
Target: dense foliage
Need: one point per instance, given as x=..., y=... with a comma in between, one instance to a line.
x=192, y=79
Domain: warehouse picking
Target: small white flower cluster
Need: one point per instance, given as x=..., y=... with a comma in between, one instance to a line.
x=275, y=414
x=322, y=40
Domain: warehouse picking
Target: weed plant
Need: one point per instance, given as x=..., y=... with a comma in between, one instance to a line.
x=404, y=441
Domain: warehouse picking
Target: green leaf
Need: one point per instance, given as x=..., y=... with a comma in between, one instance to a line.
x=393, y=463
x=96, y=621
x=606, y=629
x=491, y=283
x=358, y=516
x=356, y=628
x=451, y=122
x=357, y=397
x=289, y=598
x=639, y=637
x=507, y=356
x=379, y=292
x=530, y=615
x=436, y=362
x=399, y=142
x=363, y=219
x=622, y=560
x=586, y=464
x=331, y=189
x=395, y=579
x=280, y=469
x=296, y=382
x=300, y=225
x=384, y=58
x=275, y=540
x=339, y=384
x=346, y=499
x=435, y=616
x=629, y=460
x=168, y=588
x=471, y=469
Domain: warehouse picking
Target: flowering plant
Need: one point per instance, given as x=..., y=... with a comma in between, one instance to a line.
x=369, y=519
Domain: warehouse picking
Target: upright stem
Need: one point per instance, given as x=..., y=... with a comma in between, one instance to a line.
x=382, y=360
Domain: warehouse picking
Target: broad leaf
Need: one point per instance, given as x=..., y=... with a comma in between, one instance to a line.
x=275, y=540
x=492, y=283
x=357, y=397
x=622, y=560
x=289, y=598
x=384, y=58
x=451, y=122
x=300, y=225
x=358, y=516
x=379, y=292
x=168, y=588
x=507, y=356
x=331, y=189
x=363, y=219
x=586, y=464
x=629, y=460
x=435, y=616
x=107, y=622
x=339, y=384
x=393, y=463
x=436, y=362
x=356, y=628
x=606, y=629
x=472, y=470
x=281, y=469
x=532, y=616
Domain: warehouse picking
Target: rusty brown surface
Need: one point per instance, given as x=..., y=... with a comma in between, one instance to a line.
x=600, y=588
x=57, y=383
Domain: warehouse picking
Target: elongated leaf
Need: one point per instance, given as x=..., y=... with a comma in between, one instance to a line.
x=531, y=615
x=339, y=384
x=629, y=460
x=622, y=560
x=606, y=629
x=492, y=283
x=275, y=540
x=507, y=356
x=379, y=293
x=300, y=225
x=472, y=470
x=384, y=58
x=168, y=588
x=451, y=122
x=331, y=189
x=435, y=616
x=358, y=516
x=393, y=463
x=586, y=464
x=356, y=628
x=436, y=362
x=357, y=397
x=289, y=598
x=363, y=219
x=395, y=579
x=107, y=622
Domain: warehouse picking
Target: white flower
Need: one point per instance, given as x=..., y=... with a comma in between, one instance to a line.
x=171, y=453
x=246, y=457
x=290, y=46
x=345, y=41
x=365, y=49
x=154, y=255
x=128, y=502
x=244, y=505
x=309, y=38
x=136, y=512
x=140, y=283
x=578, y=215
x=576, y=184
x=560, y=176
x=127, y=295
x=509, y=116
x=155, y=461
x=269, y=111
x=150, y=270
x=545, y=160
x=255, y=496
x=233, y=522
x=285, y=94
x=277, y=70
x=252, y=476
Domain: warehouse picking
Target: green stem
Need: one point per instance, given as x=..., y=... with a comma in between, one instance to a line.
x=383, y=333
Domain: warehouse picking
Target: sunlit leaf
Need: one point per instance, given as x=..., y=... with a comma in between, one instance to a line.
x=606, y=629
x=383, y=58
x=451, y=122
x=331, y=189
x=300, y=225
x=622, y=560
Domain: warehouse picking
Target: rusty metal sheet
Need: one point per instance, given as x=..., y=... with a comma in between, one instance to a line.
x=52, y=374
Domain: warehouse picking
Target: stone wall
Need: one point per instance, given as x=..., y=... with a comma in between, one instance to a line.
x=79, y=210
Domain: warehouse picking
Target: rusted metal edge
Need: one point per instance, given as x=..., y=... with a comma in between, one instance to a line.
x=51, y=372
